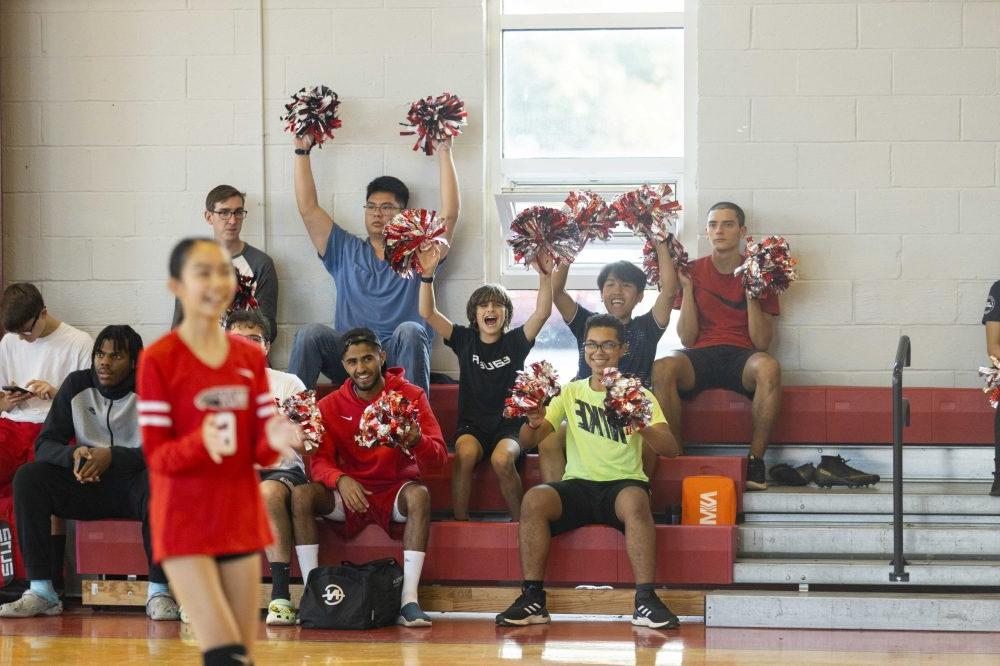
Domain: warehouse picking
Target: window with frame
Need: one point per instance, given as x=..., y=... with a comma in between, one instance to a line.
x=587, y=94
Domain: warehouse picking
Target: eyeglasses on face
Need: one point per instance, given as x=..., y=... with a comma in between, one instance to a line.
x=252, y=338
x=226, y=214
x=606, y=346
x=385, y=209
x=30, y=327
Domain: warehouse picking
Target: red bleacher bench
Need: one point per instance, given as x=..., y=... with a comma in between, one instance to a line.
x=462, y=552
x=844, y=415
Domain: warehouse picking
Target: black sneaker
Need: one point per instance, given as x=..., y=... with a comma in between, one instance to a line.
x=786, y=475
x=653, y=613
x=995, y=490
x=834, y=471
x=529, y=608
x=755, y=474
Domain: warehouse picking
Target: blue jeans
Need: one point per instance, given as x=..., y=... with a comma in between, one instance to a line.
x=317, y=349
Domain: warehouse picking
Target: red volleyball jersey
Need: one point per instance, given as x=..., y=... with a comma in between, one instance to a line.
x=198, y=507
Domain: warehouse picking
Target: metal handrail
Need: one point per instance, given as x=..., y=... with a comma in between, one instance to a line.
x=900, y=420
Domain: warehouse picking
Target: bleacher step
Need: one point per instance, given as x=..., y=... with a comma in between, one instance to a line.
x=955, y=573
x=920, y=462
x=868, y=610
x=833, y=540
x=967, y=499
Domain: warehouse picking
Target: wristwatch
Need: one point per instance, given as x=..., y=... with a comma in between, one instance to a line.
x=302, y=151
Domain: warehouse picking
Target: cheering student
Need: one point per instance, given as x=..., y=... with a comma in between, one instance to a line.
x=991, y=320
x=207, y=416
x=489, y=356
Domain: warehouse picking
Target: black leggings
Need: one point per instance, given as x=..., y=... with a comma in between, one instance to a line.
x=42, y=489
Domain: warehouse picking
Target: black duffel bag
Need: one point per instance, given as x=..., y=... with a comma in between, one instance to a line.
x=352, y=596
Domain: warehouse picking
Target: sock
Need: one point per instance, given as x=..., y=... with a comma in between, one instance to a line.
x=532, y=586
x=279, y=581
x=308, y=557
x=227, y=655
x=44, y=589
x=644, y=590
x=413, y=564
x=58, y=555
x=155, y=589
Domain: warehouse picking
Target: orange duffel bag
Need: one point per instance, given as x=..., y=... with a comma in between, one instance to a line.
x=708, y=500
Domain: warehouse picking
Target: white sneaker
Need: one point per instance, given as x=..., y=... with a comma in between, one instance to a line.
x=280, y=612
x=162, y=607
x=31, y=604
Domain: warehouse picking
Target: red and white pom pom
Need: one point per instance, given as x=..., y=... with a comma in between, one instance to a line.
x=768, y=267
x=648, y=211
x=625, y=405
x=591, y=213
x=435, y=119
x=313, y=112
x=301, y=408
x=544, y=231
x=414, y=229
x=992, y=377
x=244, y=298
x=651, y=263
x=532, y=387
x=388, y=421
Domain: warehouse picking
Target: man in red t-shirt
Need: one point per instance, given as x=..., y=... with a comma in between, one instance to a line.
x=725, y=336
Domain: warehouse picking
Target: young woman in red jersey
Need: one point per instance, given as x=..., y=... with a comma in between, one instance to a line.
x=207, y=417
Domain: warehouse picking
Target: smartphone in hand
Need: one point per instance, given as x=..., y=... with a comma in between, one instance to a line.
x=14, y=389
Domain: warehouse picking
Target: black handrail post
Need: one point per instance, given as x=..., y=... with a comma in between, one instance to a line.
x=900, y=419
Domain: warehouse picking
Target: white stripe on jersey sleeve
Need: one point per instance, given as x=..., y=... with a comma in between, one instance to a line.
x=264, y=398
x=267, y=411
x=158, y=406
x=159, y=421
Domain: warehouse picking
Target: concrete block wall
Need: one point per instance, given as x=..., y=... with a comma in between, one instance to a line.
x=866, y=133
x=118, y=117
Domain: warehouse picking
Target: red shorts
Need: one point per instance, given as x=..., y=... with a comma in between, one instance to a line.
x=17, y=446
x=381, y=510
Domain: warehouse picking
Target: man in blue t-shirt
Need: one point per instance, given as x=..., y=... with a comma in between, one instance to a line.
x=369, y=293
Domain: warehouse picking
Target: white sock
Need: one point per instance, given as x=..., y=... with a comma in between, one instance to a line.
x=308, y=557
x=413, y=564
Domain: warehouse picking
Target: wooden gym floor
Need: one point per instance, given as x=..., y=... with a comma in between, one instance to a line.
x=110, y=638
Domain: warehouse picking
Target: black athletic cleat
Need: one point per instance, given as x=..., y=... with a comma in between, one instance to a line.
x=834, y=471
x=653, y=613
x=755, y=474
x=786, y=475
x=995, y=490
x=529, y=608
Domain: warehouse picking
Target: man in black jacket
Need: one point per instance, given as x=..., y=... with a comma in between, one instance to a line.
x=102, y=476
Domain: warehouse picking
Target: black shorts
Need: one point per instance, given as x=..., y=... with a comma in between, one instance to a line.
x=508, y=429
x=718, y=367
x=290, y=477
x=229, y=557
x=589, y=503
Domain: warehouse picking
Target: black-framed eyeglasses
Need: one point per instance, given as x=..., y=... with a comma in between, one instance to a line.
x=31, y=326
x=226, y=214
x=606, y=346
x=385, y=209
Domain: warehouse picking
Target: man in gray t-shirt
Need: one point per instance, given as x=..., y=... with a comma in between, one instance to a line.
x=225, y=210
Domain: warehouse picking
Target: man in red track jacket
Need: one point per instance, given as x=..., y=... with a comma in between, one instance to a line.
x=358, y=485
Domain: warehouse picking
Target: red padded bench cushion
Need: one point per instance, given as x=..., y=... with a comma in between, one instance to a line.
x=469, y=552
x=844, y=415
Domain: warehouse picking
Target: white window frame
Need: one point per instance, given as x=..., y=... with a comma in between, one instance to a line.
x=511, y=181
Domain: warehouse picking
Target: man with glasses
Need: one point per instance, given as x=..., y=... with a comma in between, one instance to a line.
x=36, y=355
x=369, y=293
x=276, y=483
x=604, y=482
x=225, y=210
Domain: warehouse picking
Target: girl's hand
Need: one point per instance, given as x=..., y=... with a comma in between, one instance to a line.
x=218, y=433
x=283, y=436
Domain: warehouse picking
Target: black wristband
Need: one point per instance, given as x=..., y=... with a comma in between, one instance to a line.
x=427, y=280
x=302, y=151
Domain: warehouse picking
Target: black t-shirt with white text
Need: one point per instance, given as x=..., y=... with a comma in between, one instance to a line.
x=487, y=373
x=642, y=334
x=992, y=312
